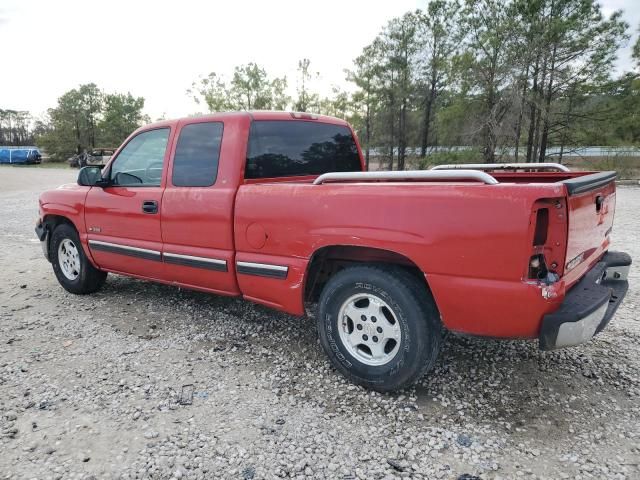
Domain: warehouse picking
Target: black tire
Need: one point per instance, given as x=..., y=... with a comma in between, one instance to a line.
x=412, y=305
x=89, y=278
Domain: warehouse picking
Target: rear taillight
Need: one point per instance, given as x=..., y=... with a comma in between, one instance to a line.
x=542, y=227
x=548, y=240
x=537, y=267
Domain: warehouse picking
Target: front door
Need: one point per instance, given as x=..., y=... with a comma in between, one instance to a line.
x=123, y=219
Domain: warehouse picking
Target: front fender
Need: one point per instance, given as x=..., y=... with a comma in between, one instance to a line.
x=72, y=214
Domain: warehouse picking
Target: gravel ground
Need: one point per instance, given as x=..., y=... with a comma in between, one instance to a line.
x=94, y=387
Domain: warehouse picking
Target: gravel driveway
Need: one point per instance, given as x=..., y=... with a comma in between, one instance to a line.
x=149, y=381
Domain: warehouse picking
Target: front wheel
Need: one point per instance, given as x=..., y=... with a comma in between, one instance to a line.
x=70, y=264
x=379, y=326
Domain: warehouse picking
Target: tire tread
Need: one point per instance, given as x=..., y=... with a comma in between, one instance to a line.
x=90, y=279
x=420, y=296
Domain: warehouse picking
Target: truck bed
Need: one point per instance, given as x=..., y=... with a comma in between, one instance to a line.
x=472, y=239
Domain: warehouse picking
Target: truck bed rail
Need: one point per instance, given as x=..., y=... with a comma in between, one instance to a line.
x=416, y=175
x=503, y=166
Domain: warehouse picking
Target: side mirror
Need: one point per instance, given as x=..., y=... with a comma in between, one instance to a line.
x=91, y=177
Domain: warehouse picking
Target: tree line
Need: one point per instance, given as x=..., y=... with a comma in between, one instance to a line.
x=522, y=80
x=16, y=128
x=510, y=78
x=84, y=118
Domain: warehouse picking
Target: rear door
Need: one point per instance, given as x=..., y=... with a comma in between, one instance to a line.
x=270, y=271
x=197, y=207
x=123, y=220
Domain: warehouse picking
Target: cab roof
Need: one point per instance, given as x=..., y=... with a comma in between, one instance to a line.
x=254, y=115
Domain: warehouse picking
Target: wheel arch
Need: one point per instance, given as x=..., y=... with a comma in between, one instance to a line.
x=55, y=213
x=330, y=259
x=51, y=221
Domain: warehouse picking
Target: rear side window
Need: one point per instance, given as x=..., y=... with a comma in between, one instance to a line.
x=195, y=163
x=280, y=148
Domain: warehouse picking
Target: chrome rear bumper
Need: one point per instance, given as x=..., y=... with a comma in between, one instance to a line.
x=589, y=305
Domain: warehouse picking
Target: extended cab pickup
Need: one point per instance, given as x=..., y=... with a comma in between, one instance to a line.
x=276, y=208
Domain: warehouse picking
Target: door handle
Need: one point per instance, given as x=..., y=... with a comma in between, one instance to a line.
x=150, y=206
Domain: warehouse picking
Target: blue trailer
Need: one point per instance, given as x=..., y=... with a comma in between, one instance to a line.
x=20, y=155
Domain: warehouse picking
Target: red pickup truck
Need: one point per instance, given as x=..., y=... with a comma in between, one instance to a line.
x=276, y=208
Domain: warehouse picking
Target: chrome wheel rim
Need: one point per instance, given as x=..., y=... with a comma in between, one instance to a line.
x=69, y=259
x=369, y=329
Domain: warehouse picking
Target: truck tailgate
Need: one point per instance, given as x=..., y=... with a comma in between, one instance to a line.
x=591, y=205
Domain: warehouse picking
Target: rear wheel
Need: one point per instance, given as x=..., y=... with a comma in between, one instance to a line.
x=379, y=326
x=70, y=264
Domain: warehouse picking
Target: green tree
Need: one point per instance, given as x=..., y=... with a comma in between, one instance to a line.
x=579, y=47
x=439, y=38
x=68, y=133
x=7, y=119
x=364, y=99
x=91, y=103
x=250, y=88
x=401, y=47
x=280, y=99
x=307, y=100
x=490, y=30
x=338, y=104
x=213, y=92
x=122, y=115
x=15, y=127
x=84, y=116
x=385, y=121
x=393, y=52
x=41, y=126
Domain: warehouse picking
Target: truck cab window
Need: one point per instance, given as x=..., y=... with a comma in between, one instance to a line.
x=140, y=161
x=195, y=163
x=286, y=148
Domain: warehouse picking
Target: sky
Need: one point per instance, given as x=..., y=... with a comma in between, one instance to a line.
x=156, y=49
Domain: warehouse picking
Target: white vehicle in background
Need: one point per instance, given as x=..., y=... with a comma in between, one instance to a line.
x=99, y=156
